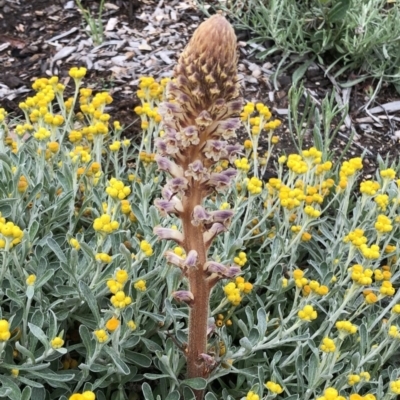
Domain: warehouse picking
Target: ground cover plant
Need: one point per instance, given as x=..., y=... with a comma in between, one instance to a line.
x=303, y=268
x=342, y=35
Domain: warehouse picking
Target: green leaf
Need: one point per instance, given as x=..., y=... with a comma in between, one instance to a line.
x=313, y=368
x=15, y=298
x=5, y=210
x=23, y=350
x=173, y=395
x=39, y=334
x=14, y=393
x=210, y=396
x=33, y=230
x=57, y=250
x=121, y=366
x=195, y=383
x=90, y=299
x=137, y=358
x=44, y=278
x=26, y=393
x=38, y=394
x=154, y=377
x=188, y=393
x=87, y=340
x=338, y=11
x=147, y=392
x=153, y=347
x=300, y=71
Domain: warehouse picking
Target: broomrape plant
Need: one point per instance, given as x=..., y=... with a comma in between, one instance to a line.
x=285, y=288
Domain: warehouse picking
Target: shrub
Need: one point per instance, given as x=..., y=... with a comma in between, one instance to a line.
x=335, y=31
x=304, y=303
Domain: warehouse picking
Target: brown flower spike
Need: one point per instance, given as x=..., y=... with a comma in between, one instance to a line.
x=200, y=115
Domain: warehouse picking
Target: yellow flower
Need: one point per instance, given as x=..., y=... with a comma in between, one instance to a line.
x=254, y=186
x=131, y=325
x=307, y=313
x=74, y=243
x=140, y=285
x=57, y=342
x=274, y=387
x=120, y=300
x=353, y=379
x=328, y=345
x=4, y=330
x=121, y=276
x=101, y=335
x=77, y=73
x=252, y=396
x=112, y=324
x=30, y=280
x=146, y=248
x=395, y=386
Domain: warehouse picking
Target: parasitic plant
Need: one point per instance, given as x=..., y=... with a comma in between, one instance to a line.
x=199, y=117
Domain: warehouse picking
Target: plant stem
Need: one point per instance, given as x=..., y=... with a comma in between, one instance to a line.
x=200, y=288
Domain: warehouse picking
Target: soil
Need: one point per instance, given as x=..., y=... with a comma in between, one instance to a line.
x=27, y=26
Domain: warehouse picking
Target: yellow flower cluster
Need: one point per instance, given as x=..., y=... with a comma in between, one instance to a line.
x=140, y=285
x=369, y=188
x=117, y=190
x=147, y=158
x=252, y=396
x=324, y=167
x=349, y=168
x=74, y=243
x=131, y=325
x=395, y=386
x=274, y=387
x=382, y=275
x=327, y=345
x=383, y=224
x=396, y=309
x=104, y=224
x=296, y=164
x=146, y=248
x=103, y=257
x=313, y=154
x=234, y=290
x=299, y=280
x=370, y=297
x=9, y=233
x=42, y=134
x=80, y=154
x=356, y=396
x=22, y=184
x=312, y=212
x=382, y=200
x=387, y=289
x=254, y=186
x=356, y=238
x=290, y=198
x=3, y=114
x=149, y=89
x=361, y=276
x=307, y=313
x=117, y=283
x=389, y=173
x=346, y=326
x=240, y=259
x=115, y=146
x=4, y=330
x=88, y=395
x=331, y=393
x=101, y=335
x=57, y=342
x=394, y=332
x=315, y=287
x=243, y=164
x=30, y=280
x=120, y=300
x=77, y=73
